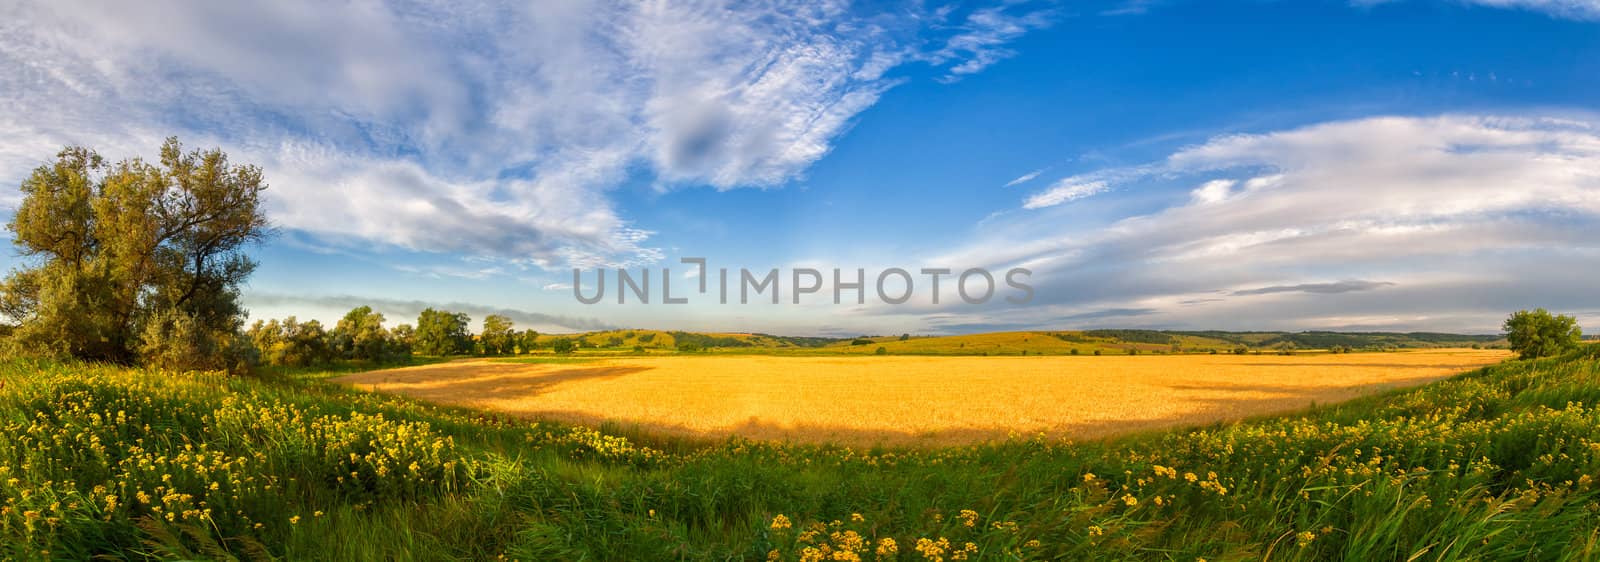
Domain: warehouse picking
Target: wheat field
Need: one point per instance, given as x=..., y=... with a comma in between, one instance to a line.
x=916, y=400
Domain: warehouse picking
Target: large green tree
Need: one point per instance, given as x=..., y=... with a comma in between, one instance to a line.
x=1537, y=333
x=361, y=335
x=442, y=332
x=498, y=337
x=135, y=260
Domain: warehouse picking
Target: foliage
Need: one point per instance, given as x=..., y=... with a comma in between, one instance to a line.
x=1537, y=333
x=528, y=341
x=441, y=332
x=135, y=260
x=563, y=345
x=498, y=336
x=1132, y=336
x=360, y=335
x=291, y=343
x=704, y=341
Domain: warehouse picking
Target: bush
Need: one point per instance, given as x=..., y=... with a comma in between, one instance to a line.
x=882, y=351
x=563, y=345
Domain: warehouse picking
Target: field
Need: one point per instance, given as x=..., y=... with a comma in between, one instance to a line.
x=914, y=400
x=130, y=464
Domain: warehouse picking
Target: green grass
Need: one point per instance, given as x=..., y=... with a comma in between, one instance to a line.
x=1497, y=464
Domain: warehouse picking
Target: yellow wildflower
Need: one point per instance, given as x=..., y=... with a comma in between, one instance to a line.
x=887, y=548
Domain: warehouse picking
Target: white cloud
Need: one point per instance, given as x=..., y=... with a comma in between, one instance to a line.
x=983, y=36
x=1434, y=215
x=1214, y=191
x=1024, y=178
x=1065, y=191
x=481, y=128
x=1570, y=9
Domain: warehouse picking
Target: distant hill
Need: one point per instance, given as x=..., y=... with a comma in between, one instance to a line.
x=1053, y=342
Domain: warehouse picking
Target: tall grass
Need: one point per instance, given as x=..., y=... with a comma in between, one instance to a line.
x=129, y=464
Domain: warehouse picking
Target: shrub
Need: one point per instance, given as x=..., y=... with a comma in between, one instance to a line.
x=563, y=345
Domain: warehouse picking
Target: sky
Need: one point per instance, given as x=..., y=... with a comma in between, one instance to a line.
x=1240, y=165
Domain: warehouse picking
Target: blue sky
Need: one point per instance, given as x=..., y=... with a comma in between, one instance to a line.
x=1399, y=165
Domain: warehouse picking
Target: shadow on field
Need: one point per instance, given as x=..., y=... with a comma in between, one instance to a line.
x=1226, y=404
x=452, y=382
x=1360, y=365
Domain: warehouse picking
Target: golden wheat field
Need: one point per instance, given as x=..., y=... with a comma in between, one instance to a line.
x=916, y=400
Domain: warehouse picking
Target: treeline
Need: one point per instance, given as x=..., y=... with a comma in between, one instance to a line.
x=690, y=341
x=361, y=336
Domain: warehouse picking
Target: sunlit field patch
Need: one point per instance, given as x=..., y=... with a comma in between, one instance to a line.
x=917, y=400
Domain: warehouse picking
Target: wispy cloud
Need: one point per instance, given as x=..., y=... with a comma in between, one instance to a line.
x=982, y=37
x=1569, y=9
x=494, y=129
x=1024, y=178
x=1317, y=288
x=1065, y=191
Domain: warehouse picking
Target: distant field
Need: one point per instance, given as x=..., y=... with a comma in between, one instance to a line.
x=916, y=400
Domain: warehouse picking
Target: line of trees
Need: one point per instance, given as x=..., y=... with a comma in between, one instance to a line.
x=361, y=336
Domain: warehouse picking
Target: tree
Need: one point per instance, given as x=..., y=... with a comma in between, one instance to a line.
x=405, y=337
x=563, y=345
x=441, y=332
x=528, y=341
x=904, y=337
x=360, y=335
x=1538, y=333
x=498, y=338
x=135, y=261
x=291, y=342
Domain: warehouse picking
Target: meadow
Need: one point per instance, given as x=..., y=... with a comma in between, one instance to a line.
x=913, y=400
x=119, y=463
